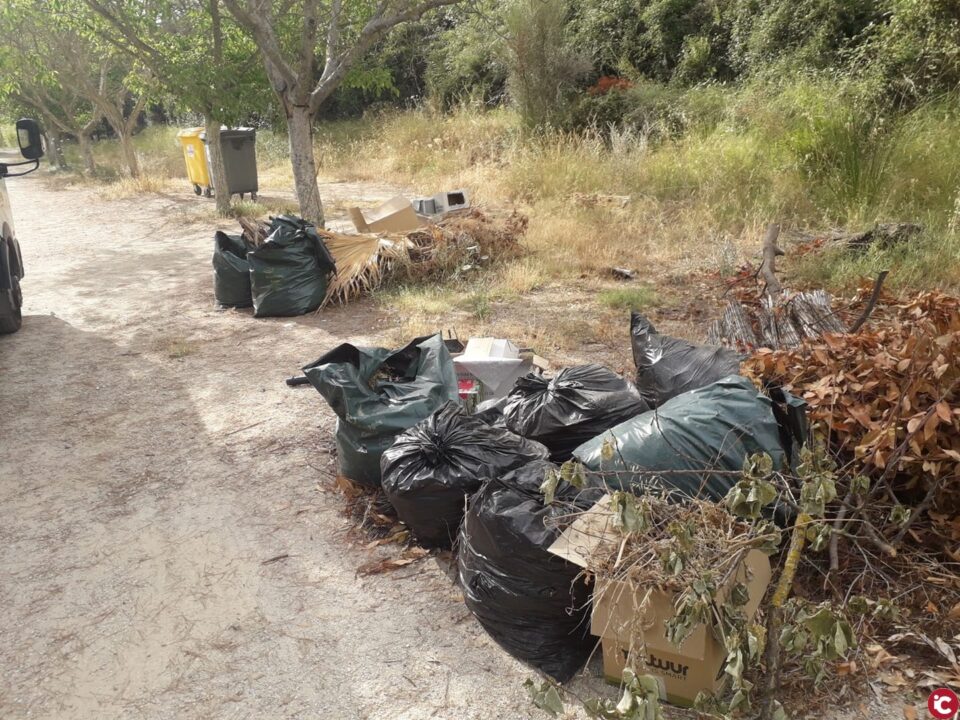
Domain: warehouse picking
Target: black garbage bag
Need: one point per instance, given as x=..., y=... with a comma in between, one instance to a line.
x=378, y=393
x=530, y=601
x=576, y=405
x=433, y=466
x=698, y=436
x=231, y=271
x=290, y=271
x=668, y=366
x=491, y=411
x=791, y=414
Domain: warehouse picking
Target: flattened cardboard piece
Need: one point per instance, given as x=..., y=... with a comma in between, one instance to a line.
x=586, y=534
x=541, y=364
x=625, y=616
x=395, y=215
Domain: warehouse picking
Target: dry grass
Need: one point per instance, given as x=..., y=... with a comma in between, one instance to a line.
x=667, y=206
x=175, y=348
x=128, y=187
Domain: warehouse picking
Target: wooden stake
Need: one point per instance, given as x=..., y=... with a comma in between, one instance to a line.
x=768, y=269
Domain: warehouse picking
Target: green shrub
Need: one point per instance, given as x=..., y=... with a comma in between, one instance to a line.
x=914, y=52
x=543, y=65
x=675, y=28
x=795, y=34
x=465, y=64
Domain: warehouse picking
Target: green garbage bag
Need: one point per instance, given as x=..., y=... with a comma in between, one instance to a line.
x=231, y=271
x=699, y=437
x=290, y=271
x=378, y=393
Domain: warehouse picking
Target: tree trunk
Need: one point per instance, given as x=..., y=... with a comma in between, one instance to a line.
x=51, y=153
x=300, y=131
x=129, y=152
x=60, y=160
x=86, y=153
x=217, y=170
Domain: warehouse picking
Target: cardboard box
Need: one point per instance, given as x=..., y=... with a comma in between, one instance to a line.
x=488, y=368
x=628, y=618
x=395, y=215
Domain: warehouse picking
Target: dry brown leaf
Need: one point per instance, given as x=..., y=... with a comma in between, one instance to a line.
x=887, y=394
x=378, y=567
x=909, y=712
x=348, y=487
x=893, y=679
x=847, y=668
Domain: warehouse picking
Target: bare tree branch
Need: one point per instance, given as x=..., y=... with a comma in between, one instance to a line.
x=254, y=16
x=131, y=122
x=308, y=52
x=375, y=29
x=217, y=29
x=128, y=32
x=874, y=296
x=333, y=37
x=768, y=267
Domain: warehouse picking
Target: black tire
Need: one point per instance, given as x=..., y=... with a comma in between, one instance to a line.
x=253, y=196
x=207, y=192
x=197, y=189
x=10, y=303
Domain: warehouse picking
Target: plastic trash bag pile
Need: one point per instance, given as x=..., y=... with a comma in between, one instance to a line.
x=688, y=423
x=287, y=274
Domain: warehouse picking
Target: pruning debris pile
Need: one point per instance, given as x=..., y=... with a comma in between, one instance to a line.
x=670, y=546
x=888, y=400
x=811, y=551
x=455, y=246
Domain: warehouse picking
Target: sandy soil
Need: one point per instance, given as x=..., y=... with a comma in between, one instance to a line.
x=152, y=461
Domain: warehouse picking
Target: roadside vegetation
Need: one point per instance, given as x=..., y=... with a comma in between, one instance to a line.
x=695, y=200
x=656, y=136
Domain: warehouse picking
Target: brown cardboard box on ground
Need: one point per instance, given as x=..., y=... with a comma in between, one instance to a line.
x=395, y=215
x=629, y=618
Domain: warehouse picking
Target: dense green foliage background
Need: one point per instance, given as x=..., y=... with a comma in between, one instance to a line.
x=892, y=54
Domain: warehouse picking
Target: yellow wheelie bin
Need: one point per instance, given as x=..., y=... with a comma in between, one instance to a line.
x=195, y=155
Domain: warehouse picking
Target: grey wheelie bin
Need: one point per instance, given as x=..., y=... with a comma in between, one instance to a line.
x=240, y=160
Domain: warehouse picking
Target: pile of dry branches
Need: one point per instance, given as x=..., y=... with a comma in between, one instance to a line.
x=662, y=544
x=457, y=245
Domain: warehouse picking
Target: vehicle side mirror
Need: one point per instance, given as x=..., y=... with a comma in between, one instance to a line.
x=30, y=139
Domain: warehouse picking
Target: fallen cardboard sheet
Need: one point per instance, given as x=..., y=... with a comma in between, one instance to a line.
x=631, y=620
x=395, y=215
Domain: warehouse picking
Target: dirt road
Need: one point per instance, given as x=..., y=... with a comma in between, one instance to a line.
x=152, y=461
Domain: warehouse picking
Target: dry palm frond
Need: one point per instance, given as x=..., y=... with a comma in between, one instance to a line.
x=457, y=244
x=363, y=262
